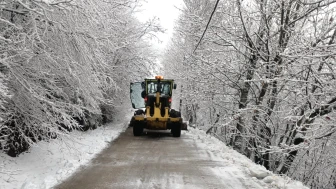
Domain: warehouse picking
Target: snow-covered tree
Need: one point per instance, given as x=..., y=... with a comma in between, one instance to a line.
x=262, y=79
x=65, y=65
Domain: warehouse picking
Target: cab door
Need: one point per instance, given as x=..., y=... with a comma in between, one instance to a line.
x=136, y=89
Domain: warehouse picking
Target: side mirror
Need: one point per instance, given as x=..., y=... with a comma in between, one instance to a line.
x=175, y=86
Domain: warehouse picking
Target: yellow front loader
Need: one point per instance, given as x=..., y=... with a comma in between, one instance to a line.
x=152, y=99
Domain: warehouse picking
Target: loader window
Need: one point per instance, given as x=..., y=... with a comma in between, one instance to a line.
x=165, y=87
x=136, y=99
x=152, y=87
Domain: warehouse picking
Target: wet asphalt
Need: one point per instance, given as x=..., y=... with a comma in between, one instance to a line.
x=155, y=160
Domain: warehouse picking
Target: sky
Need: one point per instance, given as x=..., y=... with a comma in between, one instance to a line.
x=167, y=13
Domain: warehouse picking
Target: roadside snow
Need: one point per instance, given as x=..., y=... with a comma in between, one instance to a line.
x=48, y=163
x=236, y=164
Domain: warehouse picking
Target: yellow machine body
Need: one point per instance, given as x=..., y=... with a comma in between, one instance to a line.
x=156, y=121
x=156, y=98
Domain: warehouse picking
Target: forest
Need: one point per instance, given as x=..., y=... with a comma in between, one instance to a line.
x=67, y=65
x=257, y=74
x=260, y=76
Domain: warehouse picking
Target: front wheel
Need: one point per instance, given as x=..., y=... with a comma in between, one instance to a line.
x=176, y=130
x=137, y=130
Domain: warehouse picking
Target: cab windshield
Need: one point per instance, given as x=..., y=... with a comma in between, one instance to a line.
x=165, y=87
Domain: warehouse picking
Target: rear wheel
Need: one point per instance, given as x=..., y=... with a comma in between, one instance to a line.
x=137, y=130
x=174, y=113
x=176, y=130
x=139, y=112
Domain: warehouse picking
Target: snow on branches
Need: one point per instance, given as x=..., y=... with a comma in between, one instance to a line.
x=263, y=80
x=66, y=64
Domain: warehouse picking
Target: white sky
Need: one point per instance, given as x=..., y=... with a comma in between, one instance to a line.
x=167, y=13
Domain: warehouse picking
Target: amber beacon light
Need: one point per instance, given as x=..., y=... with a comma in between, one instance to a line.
x=159, y=77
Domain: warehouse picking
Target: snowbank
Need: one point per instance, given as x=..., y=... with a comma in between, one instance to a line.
x=234, y=160
x=48, y=163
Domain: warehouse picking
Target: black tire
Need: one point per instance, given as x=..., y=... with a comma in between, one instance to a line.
x=137, y=130
x=178, y=114
x=131, y=122
x=139, y=112
x=172, y=113
x=176, y=130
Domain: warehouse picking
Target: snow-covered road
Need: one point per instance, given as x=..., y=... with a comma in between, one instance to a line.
x=157, y=160
x=49, y=163
x=195, y=160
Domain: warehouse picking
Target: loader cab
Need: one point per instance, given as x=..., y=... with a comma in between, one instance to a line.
x=143, y=94
x=163, y=88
